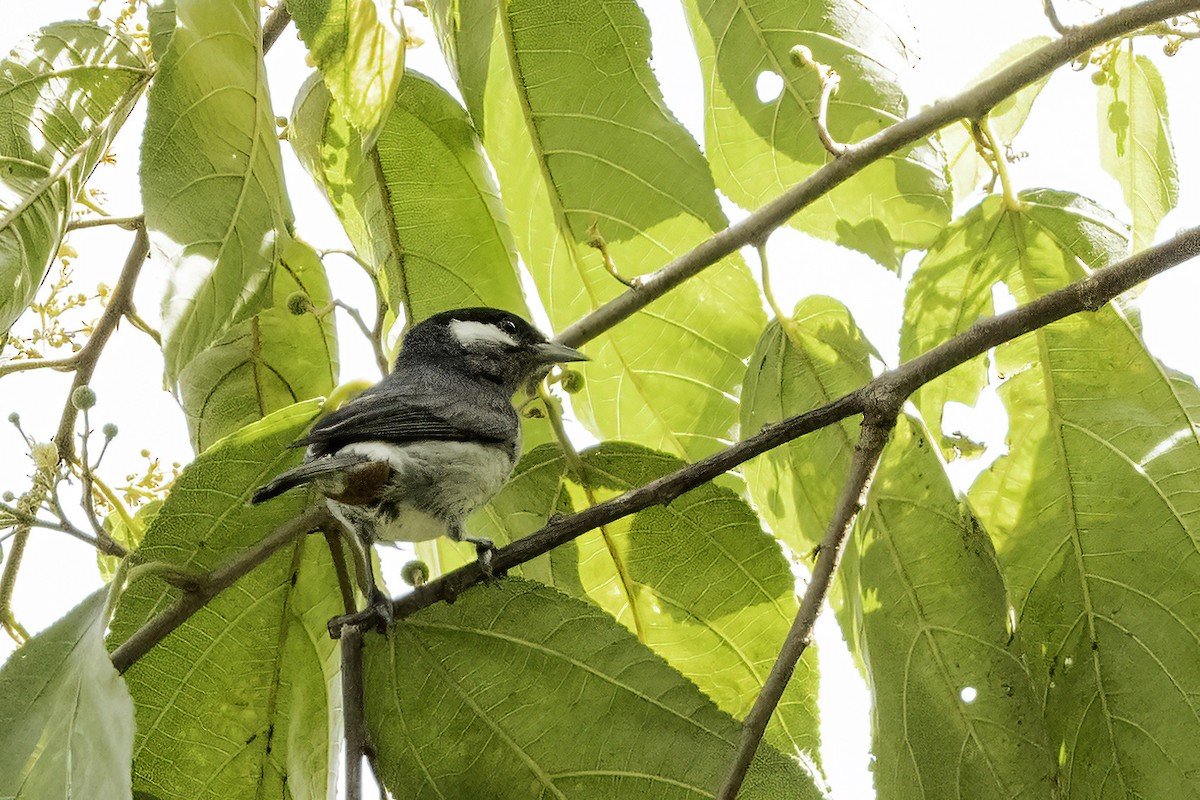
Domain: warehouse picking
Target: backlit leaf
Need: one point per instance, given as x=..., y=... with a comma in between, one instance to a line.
x=1094, y=510
x=760, y=146
x=574, y=122
x=272, y=360
x=234, y=703
x=519, y=691
x=1135, y=141
x=66, y=720
x=211, y=176
x=360, y=55
x=64, y=94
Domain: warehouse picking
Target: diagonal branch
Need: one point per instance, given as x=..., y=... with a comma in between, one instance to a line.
x=887, y=391
x=879, y=399
x=972, y=103
x=208, y=586
x=874, y=436
x=86, y=358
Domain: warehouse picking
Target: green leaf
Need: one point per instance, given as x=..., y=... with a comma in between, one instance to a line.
x=211, y=177
x=234, y=702
x=270, y=361
x=1094, y=509
x=1135, y=141
x=538, y=694
x=697, y=580
x=360, y=55
x=575, y=125
x=64, y=94
x=954, y=706
x=126, y=535
x=953, y=286
x=420, y=204
x=758, y=149
x=815, y=357
x=1005, y=119
x=66, y=721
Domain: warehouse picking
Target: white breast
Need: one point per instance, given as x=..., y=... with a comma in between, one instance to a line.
x=436, y=482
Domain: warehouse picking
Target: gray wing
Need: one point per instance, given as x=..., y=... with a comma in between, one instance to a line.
x=398, y=413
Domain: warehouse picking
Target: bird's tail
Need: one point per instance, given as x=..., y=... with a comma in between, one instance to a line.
x=325, y=467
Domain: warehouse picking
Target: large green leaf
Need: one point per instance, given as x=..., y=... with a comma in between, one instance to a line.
x=816, y=356
x=64, y=93
x=1094, y=509
x=519, y=691
x=66, y=720
x=360, y=55
x=272, y=360
x=759, y=148
x=697, y=580
x=575, y=125
x=234, y=703
x=1135, y=141
x=953, y=287
x=420, y=205
x=954, y=706
x=211, y=177
x=1005, y=120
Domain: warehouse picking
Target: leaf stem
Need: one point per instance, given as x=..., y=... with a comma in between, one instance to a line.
x=1000, y=161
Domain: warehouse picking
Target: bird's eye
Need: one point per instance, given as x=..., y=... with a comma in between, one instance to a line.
x=508, y=326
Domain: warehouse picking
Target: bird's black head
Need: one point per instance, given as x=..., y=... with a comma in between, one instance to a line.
x=488, y=343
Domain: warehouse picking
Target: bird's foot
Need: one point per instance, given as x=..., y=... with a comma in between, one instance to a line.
x=377, y=615
x=485, y=550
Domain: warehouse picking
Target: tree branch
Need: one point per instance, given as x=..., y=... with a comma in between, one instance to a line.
x=889, y=390
x=86, y=358
x=973, y=103
x=274, y=25
x=213, y=583
x=351, y=643
x=871, y=441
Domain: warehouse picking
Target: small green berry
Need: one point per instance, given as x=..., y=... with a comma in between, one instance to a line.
x=298, y=303
x=83, y=398
x=109, y=430
x=1099, y=78
x=415, y=573
x=572, y=381
x=14, y=418
x=93, y=13
x=9, y=497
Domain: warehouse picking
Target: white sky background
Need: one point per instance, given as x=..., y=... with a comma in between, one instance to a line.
x=955, y=40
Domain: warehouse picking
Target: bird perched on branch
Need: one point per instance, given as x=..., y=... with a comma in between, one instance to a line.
x=413, y=456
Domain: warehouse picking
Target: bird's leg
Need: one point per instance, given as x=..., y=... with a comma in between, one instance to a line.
x=379, y=605
x=484, y=548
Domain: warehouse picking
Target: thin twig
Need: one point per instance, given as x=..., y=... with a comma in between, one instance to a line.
x=892, y=386
x=830, y=81
x=375, y=334
x=970, y=104
x=86, y=358
x=141, y=324
x=275, y=24
x=352, y=708
x=871, y=441
x=128, y=223
x=212, y=584
x=1052, y=15
x=61, y=364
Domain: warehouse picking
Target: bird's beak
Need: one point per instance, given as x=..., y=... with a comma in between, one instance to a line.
x=555, y=353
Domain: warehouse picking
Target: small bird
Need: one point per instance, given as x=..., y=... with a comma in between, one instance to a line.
x=413, y=456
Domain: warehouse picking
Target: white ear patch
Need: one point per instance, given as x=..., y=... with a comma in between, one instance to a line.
x=470, y=333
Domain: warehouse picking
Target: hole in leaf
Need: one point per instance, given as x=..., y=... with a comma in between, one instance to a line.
x=768, y=85
x=968, y=694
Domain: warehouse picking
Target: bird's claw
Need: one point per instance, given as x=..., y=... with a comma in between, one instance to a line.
x=377, y=615
x=485, y=551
